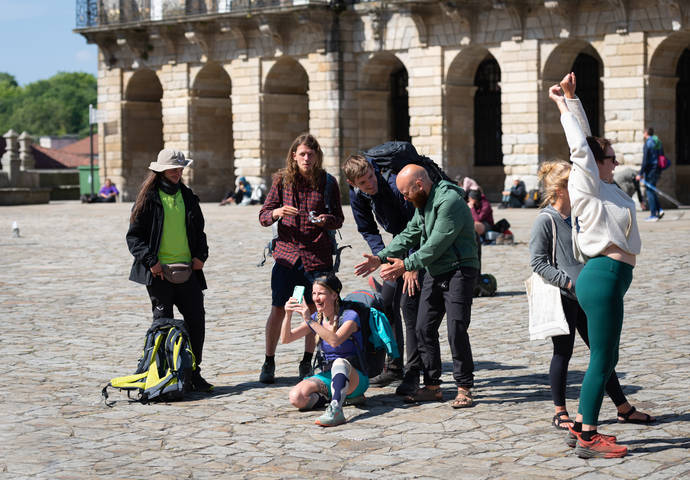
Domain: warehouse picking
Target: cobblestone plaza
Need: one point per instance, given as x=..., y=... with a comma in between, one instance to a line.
x=72, y=321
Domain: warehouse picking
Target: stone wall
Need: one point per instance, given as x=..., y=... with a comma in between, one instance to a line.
x=233, y=90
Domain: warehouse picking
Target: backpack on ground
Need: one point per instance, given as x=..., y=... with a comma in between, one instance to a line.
x=532, y=199
x=391, y=157
x=332, y=234
x=486, y=286
x=377, y=333
x=166, y=365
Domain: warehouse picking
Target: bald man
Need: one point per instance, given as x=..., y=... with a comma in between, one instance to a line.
x=443, y=228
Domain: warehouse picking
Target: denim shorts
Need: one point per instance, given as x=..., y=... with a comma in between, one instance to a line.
x=285, y=279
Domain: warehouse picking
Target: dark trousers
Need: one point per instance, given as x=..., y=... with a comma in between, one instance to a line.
x=563, y=350
x=189, y=300
x=394, y=300
x=651, y=178
x=450, y=294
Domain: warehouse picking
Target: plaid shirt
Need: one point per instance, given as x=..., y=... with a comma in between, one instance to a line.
x=298, y=238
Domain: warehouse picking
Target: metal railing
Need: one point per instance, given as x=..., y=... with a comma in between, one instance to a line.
x=95, y=13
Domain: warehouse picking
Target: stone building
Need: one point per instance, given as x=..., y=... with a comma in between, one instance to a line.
x=232, y=82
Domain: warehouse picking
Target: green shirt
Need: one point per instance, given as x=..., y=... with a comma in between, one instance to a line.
x=174, y=246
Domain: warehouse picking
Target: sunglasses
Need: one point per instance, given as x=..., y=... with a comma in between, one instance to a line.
x=613, y=158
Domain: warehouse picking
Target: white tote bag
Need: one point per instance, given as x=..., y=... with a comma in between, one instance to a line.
x=546, y=317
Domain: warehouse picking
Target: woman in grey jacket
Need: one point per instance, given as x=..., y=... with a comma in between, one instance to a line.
x=554, y=179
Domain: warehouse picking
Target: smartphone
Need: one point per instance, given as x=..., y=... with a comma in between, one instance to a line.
x=298, y=293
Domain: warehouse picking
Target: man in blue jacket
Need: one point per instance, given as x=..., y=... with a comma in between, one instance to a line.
x=375, y=202
x=650, y=172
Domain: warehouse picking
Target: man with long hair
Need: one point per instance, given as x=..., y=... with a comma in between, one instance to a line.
x=303, y=250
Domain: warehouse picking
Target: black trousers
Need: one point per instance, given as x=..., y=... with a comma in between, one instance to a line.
x=450, y=294
x=395, y=301
x=189, y=300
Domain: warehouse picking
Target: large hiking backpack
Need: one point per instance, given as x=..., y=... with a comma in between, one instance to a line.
x=332, y=234
x=377, y=333
x=391, y=157
x=166, y=365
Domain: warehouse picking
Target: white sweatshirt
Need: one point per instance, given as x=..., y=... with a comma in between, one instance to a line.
x=602, y=213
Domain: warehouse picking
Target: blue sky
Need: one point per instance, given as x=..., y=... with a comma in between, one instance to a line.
x=36, y=40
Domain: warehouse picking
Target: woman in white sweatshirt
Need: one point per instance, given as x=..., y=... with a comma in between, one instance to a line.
x=605, y=238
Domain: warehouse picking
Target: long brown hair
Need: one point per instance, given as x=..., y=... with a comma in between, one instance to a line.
x=147, y=185
x=290, y=173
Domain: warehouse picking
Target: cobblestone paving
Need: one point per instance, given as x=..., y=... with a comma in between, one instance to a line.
x=72, y=320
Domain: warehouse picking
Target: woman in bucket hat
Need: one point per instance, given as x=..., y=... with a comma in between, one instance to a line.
x=166, y=237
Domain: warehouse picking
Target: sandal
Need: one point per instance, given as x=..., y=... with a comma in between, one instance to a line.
x=463, y=399
x=425, y=394
x=560, y=423
x=625, y=417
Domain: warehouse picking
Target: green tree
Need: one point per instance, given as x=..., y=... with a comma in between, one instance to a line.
x=56, y=106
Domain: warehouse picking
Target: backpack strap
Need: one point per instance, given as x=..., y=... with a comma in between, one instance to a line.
x=553, y=237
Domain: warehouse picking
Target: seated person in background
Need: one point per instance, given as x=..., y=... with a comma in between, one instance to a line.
x=515, y=197
x=242, y=194
x=108, y=192
x=467, y=184
x=626, y=179
x=482, y=213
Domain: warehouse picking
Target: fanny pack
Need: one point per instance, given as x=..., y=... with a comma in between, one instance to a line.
x=177, y=272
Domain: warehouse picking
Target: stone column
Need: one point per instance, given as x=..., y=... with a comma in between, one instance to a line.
x=10, y=160
x=246, y=122
x=426, y=101
x=519, y=111
x=324, y=108
x=175, y=107
x=25, y=156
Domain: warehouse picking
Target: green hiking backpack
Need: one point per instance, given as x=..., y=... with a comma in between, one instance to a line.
x=165, y=368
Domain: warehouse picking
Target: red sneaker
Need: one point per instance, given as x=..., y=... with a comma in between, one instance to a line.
x=598, y=447
x=571, y=439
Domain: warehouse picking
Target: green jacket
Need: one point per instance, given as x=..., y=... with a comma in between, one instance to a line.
x=444, y=232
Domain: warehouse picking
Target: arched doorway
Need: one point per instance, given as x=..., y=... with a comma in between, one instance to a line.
x=210, y=134
x=383, y=101
x=472, y=120
x=666, y=110
x=581, y=58
x=488, y=145
x=284, y=112
x=142, y=129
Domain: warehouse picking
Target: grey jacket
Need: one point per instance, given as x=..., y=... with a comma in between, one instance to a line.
x=540, y=245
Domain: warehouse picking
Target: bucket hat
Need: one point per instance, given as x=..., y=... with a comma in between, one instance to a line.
x=169, y=158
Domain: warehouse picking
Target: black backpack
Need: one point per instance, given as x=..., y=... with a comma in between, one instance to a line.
x=486, y=286
x=391, y=157
x=532, y=199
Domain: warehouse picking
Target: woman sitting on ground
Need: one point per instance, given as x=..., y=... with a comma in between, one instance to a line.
x=554, y=179
x=338, y=332
x=606, y=238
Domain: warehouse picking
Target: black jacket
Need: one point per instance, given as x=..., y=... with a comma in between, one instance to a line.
x=144, y=235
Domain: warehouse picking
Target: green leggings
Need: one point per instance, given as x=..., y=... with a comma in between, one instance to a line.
x=600, y=289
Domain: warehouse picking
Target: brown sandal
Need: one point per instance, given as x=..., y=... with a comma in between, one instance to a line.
x=425, y=394
x=463, y=399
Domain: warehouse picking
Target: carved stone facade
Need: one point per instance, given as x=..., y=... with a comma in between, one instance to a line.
x=232, y=83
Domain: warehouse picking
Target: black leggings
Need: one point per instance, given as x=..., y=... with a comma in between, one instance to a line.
x=563, y=350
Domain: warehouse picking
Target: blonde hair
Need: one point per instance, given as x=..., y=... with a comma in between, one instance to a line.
x=553, y=176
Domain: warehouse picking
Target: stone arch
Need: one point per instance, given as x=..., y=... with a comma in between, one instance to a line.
x=382, y=112
x=666, y=109
x=402, y=32
x=142, y=129
x=210, y=133
x=284, y=112
x=460, y=118
x=563, y=59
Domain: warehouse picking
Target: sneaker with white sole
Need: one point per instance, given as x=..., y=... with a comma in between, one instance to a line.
x=599, y=447
x=332, y=417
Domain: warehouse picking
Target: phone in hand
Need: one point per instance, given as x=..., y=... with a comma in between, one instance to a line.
x=298, y=293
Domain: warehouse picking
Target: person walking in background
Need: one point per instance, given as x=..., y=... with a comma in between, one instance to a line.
x=377, y=200
x=606, y=237
x=167, y=228
x=299, y=200
x=443, y=229
x=553, y=177
x=650, y=172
